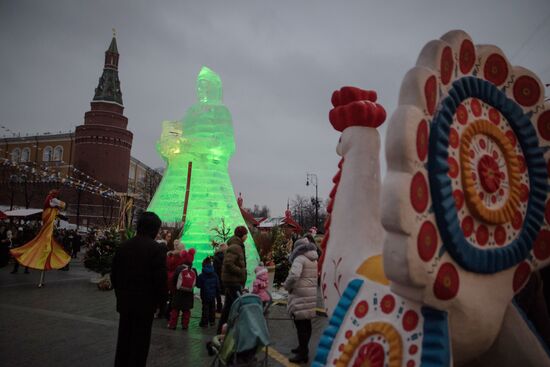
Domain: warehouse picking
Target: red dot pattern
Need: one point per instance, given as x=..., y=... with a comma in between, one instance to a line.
x=453, y=167
x=495, y=69
x=462, y=114
x=467, y=56
x=523, y=193
x=447, y=282
x=475, y=105
x=517, y=220
x=467, y=226
x=494, y=116
x=410, y=320
x=387, y=304
x=526, y=91
x=422, y=140
x=427, y=241
x=447, y=65
x=361, y=309
x=419, y=192
x=500, y=235
x=482, y=235
x=430, y=93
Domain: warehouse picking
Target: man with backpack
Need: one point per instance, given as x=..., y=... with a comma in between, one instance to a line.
x=138, y=276
x=185, y=278
x=233, y=271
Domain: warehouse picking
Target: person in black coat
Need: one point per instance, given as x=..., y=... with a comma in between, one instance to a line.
x=138, y=276
x=218, y=263
x=209, y=284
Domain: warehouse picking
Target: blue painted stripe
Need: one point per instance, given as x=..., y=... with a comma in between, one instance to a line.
x=335, y=322
x=436, y=349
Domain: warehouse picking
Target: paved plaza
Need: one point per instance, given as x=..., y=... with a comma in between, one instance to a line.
x=71, y=323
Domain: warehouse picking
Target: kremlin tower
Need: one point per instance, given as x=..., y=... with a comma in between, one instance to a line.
x=102, y=143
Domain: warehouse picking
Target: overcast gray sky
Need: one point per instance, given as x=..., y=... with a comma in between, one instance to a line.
x=279, y=62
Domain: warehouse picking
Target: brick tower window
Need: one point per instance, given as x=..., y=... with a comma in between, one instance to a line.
x=58, y=153
x=15, y=155
x=47, y=154
x=25, y=155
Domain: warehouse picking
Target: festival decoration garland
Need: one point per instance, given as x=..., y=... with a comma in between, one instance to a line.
x=45, y=175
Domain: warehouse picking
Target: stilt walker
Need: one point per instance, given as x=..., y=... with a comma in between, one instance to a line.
x=43, y=252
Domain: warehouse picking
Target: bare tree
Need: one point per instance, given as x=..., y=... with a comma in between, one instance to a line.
x=303, y=211
x=259, y=212
x=146, y=188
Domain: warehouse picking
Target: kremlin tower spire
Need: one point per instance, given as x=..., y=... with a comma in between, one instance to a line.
x=108, y=88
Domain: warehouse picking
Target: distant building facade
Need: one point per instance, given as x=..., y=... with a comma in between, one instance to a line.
x=97, y=154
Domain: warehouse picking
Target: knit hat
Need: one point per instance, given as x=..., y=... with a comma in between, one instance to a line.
x=188, y=256
x=240, y=231
x=260, y=270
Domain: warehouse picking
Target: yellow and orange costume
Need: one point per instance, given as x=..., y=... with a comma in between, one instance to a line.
x=43, y=252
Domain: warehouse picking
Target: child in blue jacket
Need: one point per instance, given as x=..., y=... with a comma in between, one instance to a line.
x=209, y=285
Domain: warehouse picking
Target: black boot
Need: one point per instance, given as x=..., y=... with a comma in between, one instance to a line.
x=300, y=357
x=304, y=334
x=295, y=350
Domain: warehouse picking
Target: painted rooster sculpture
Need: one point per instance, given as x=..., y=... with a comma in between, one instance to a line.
x=423, y=270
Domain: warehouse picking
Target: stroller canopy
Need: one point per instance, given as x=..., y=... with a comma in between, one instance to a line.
x=247, y=323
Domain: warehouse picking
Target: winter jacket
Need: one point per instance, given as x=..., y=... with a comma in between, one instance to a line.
x=138, y=274
x=218, y=262
x=234, y=264
x=260, y=285
x=301, y=282
x=173, y=260
x=182, y=300
x=208, y=283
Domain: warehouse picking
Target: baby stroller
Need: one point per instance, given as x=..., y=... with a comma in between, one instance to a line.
x=246, y=335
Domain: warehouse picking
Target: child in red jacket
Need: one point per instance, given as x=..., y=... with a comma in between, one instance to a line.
x=183, y=283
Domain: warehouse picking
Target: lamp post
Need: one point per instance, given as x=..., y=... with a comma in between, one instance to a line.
x=312, y=177
x=14, y=180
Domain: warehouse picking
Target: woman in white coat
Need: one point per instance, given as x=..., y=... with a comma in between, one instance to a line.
x=301, y=285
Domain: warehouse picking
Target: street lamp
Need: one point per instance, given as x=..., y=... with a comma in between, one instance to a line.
x=14, y=180
x=313, y=178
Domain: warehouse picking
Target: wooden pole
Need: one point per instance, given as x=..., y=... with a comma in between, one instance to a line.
x=187, y=189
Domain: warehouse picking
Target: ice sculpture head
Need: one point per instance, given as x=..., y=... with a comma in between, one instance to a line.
x=209, y=87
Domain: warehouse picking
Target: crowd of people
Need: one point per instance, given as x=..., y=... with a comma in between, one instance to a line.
x=154, y=276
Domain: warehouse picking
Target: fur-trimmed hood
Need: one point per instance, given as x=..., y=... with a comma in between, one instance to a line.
x=304, y=247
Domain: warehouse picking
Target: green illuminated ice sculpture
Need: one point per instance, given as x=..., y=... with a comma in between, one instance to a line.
x=205, y=138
